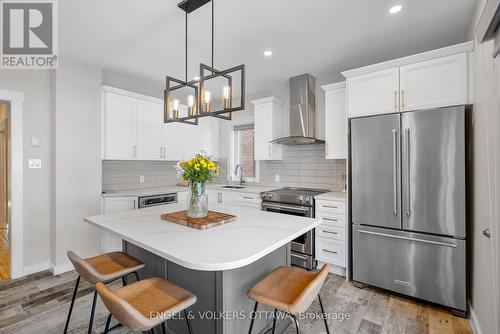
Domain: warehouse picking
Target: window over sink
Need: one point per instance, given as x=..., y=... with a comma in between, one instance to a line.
x=242, y=153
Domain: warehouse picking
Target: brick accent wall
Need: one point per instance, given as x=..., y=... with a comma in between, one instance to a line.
x=247, y=162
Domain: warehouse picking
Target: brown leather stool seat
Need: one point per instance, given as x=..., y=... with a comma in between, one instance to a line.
x=146, y=304
x=290, y=290
x=103, y=268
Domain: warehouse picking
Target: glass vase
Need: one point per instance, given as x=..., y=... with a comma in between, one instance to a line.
x=197, y=201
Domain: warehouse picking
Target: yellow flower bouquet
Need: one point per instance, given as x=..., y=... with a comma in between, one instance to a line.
x=197, y=171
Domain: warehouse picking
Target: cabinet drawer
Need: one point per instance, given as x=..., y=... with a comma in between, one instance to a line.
x=330, y=206
x=330, y=232
x=330, y=251
x=334, y=219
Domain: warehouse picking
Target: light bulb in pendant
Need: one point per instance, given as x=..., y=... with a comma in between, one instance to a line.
x=175, y=108
x=226, y=93
x=190, y=102
x=208, y=97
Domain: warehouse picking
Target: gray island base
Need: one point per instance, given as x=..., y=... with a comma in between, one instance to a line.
x=223, y=306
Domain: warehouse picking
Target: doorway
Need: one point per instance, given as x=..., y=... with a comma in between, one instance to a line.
x=4, y=193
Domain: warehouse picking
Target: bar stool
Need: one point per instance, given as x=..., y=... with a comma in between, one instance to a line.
x=143, y=305
x=104, y=268
x=289, y=290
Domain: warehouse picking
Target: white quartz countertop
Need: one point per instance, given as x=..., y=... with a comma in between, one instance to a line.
x=332, y=196
x=253, y=189
x=233, y=245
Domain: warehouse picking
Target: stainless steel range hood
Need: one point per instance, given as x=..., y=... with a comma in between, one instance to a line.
x=302, y=112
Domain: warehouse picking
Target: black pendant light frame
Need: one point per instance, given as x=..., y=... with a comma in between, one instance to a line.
x=199, y=85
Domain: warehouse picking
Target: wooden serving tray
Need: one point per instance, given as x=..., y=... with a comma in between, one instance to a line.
x=211, y=220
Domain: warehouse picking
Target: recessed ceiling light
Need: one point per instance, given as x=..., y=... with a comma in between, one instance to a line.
x=196, y=78
x=395, y=9
x=268, y=53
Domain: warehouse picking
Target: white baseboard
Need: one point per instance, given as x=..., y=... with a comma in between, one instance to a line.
x=36, y=268
x=333, y=269
x=474, y=324
x=62, y=268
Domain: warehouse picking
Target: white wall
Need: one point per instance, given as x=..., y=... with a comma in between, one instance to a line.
x=77, y=160
x=484, y=188
x=36, y=88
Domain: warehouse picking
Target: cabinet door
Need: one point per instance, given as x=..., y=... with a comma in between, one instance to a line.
x=207, y=136
x=373, y=93
x=336, y=124
x=174, y=141
x=263, y=124
x=434, y=83
x=120, y=127
x=149, y=130
x=110, y=242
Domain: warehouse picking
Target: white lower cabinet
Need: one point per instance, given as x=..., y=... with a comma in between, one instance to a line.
x=223, y=198
x=331, y=235
x=247, y=200
x=109, y=242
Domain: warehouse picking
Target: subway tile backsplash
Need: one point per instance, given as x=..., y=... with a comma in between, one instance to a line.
x=124, y=175
x=302, y=166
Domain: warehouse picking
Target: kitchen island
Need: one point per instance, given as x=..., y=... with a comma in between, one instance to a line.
x=218, y=265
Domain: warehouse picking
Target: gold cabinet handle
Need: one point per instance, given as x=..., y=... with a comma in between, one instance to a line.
x=330, y=232
x=331, y=219
x=402, y=98
x=329, y=251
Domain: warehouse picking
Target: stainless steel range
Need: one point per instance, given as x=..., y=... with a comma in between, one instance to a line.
x=297, y=202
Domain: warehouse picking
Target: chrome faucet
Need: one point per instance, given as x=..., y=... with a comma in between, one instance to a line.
x=238, y=166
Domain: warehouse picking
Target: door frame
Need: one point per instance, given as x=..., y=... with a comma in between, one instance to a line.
x=15, y=101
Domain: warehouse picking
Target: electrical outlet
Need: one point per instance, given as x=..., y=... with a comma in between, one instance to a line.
x=141, y=179
x=276, y=178
x=35, y=163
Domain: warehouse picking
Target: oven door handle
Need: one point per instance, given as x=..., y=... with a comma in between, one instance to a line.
x=302, y=257
x=287, y=207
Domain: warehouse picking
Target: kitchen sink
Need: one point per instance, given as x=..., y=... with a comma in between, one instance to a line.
x=233, y=187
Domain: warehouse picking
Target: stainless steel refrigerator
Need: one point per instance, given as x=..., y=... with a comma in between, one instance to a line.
x=408, y=204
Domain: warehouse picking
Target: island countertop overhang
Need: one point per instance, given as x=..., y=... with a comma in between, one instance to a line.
x=252, y=236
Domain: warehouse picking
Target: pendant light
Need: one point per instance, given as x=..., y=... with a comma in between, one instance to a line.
x=201, y=103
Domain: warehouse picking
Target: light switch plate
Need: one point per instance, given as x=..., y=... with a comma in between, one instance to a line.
x=141, y=179
x=276, y=178
x=35, y=163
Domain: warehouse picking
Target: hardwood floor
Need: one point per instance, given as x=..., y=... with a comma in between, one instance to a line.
x=39, y=304
x=4, y=258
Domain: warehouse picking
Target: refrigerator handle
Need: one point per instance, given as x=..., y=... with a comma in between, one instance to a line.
x=407, y=179
x=395, y=170
x=423, y=241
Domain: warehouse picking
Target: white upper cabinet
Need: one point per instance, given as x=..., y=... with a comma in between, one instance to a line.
x=373, y=93
x=134, y=129
x=434, y=83
x=268, y=125
x=173, y=137
x=335, y=121
x=433, y=79
x=119, y=128
x=149, y=130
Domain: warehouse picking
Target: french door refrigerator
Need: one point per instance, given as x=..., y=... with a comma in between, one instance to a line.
x=408, y=204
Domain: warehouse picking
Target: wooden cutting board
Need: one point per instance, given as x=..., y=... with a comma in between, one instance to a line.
x=211, y=220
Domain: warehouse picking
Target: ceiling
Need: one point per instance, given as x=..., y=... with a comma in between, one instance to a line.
x=323, y=37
